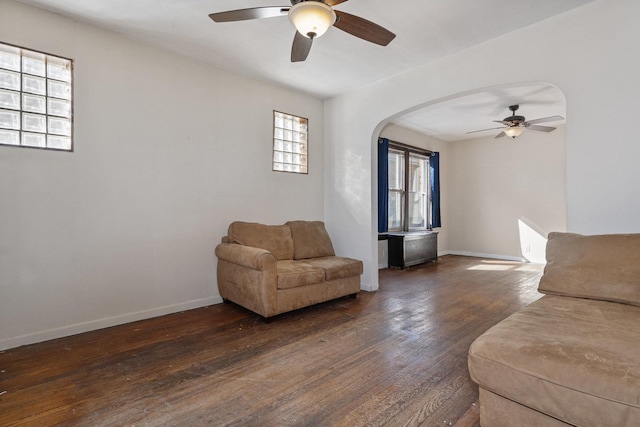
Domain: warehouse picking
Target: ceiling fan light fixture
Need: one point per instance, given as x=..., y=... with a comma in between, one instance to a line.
x=312, y=18
x=514, y=131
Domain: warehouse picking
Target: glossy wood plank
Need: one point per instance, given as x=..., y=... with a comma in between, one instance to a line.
x=394, y=357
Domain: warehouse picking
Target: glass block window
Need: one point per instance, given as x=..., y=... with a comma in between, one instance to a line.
x=290, y=143
x=35, y=99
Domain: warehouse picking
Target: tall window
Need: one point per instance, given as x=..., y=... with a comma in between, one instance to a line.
x=396, y=189
x=290, y=143
x=417, y=211
x=35, y=99
x=409, y=189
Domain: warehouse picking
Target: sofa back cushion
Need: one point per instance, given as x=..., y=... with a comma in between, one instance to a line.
x=310, y=239
x=273, y=238
x=604, y=267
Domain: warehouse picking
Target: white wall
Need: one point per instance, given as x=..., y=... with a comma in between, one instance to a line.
x=586, y=52
x=499, y=184
x=168, y=151
x=420, y=140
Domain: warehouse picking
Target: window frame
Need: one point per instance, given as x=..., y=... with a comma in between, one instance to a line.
x=304, y=169
x=47, y=58
x=426, y=193
x=401, y=191
x=408, y=150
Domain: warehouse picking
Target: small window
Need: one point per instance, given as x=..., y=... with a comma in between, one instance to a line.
x=35, y=99
x=290, y=143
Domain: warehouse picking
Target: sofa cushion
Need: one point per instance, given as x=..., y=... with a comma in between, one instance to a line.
x=310, y=239
x=336, y=267
x=292, y=274
x=273, y=238
x=601, y=267
x=574, y=359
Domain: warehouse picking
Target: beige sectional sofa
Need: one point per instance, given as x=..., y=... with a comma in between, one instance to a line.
x=272, y=269
x=573, y=356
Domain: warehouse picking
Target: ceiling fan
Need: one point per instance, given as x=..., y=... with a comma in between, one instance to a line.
x=312, y=18
x=515, y=125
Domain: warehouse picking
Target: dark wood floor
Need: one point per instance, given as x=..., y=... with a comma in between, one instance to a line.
x=395, y=357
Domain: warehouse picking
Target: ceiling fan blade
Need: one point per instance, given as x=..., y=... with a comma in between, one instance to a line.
x=482, y=130
x=252, y=13
x=334, y=2
x=545, y=119
x=360, y=27
x=300, y=48
x=500, y=135
x=541, y=128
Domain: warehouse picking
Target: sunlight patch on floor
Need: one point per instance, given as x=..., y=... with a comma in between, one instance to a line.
x=495, y=265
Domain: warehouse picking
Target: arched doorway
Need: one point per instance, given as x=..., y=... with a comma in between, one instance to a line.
x=500, y=195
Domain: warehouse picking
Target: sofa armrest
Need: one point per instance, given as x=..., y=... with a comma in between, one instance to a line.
x=246, y=256
x=248, y=276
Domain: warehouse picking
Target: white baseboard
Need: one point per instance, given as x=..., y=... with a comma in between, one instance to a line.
x=106, y=322
x=381, y=266
x=491, y=256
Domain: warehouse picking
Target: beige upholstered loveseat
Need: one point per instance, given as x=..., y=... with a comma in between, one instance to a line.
x=272, y=269
x=573, y=356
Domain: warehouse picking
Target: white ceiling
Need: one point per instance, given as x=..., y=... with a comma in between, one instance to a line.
x=450, y=120
x=338, y=62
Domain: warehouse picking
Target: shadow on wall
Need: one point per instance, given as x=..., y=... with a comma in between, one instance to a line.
x=533, y=241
